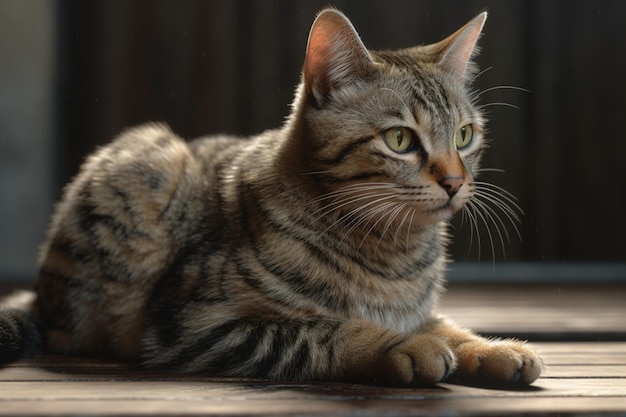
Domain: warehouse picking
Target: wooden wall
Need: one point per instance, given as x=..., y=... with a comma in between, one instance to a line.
x=231, y=66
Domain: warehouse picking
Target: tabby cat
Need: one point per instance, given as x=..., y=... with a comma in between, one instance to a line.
x=311, y=252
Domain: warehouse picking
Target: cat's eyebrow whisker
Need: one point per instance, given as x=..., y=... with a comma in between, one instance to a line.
x=395, y=93
x=503, y=104
x=481, y=73
x=502, y=87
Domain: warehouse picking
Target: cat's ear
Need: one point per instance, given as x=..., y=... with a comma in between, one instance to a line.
x=459, y=48
x=335, y=55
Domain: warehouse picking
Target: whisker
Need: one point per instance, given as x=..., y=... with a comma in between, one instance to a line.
x=393, y=215
x=490, y=170
x=465, y=218
x=500, y=192
x=327, y=171
x=481, y=73
x=506, y=210
x=356, y=210
x=369, y=191
x=484, y=106
x=471, y=213
x=498, y=202
x=502, y=87
x=480, y=215
x=408, y=231
x=352, y=188
x=397, y=235
x=492, y=208
x=496, y=221
x=407, y=108
x=373, y=214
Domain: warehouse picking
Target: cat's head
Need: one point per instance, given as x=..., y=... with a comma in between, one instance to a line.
x=395, y=129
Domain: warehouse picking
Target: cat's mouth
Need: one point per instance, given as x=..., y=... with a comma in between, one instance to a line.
x=446, y=210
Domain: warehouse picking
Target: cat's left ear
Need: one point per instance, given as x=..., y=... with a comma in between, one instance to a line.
x=335, y=55
x=460, y=47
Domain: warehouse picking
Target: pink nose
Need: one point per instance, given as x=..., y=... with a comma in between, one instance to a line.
x=451, y=184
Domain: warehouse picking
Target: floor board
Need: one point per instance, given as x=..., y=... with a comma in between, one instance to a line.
x=540, y=312
x=581, y=379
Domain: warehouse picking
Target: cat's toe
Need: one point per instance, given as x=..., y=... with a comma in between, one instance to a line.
x=517, y=376
x=420, y=360
x=505, y=361
x=531, y=369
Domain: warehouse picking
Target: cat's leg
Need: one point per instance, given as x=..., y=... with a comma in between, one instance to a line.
x=496, y=360
x=303, y=349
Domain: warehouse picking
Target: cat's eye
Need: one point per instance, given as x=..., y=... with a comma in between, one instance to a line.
x=464, y=137
x=399, y=139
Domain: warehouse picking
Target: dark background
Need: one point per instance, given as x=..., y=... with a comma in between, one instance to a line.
x=231, y=66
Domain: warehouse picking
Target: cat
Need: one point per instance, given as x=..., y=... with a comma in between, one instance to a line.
x=316, y=251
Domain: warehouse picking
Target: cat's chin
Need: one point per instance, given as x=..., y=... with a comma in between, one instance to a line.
x=441, y=213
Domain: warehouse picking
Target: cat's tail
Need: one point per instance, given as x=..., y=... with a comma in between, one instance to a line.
x=20, y=332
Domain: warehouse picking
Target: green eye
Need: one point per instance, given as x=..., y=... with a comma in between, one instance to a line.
x=464, y=137
x=398, y=139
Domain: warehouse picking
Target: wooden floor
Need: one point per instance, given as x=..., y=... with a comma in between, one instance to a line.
x=580, y=332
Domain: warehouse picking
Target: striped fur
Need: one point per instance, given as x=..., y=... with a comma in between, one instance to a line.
x=312, y=252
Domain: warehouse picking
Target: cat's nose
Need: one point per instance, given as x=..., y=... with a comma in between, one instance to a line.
x=451, y=184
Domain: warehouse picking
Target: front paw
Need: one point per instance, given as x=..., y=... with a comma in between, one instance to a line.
x=418, y=360
x=508, y=361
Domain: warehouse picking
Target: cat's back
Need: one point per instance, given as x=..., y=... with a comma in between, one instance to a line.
x=119, y=226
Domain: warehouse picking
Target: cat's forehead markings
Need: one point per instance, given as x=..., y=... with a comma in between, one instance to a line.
x=425, y=91
x=423, y=122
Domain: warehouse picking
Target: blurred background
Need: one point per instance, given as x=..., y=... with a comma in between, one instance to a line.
x=75, y=73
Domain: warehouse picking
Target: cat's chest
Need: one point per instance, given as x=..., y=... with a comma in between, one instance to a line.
x=400, y=305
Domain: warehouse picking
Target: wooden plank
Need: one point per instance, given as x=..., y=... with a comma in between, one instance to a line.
x=354, y=407
x=588, y=347
x=147, y=390
x=561, y=311
x=585, y=371
x=549, y=395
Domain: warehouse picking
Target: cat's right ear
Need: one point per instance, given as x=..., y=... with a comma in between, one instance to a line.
x=335, y=55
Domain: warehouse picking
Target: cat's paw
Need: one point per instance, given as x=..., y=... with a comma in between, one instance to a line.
x=418, y=360
x=508, y=361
